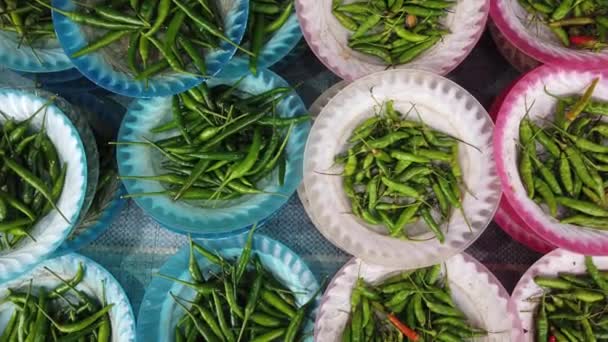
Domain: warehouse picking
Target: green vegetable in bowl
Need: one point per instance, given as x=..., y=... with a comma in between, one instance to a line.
x=563, y=163
x=222, y=143
x=397, y=172
x=160, y=35
x=241, y=302
x=393, y=31
x=31, y=22
x=31, y=177
x=416, y=305
x=63, y=313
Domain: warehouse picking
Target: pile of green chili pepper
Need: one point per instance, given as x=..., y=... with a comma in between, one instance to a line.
x=395, y=31
x=416, y=305
x=572, y=307
x=31, y=22
x=265, y=18
x=241, y=302
x=580, y=24
x=31, y=178
x=161, y=34
x=224, y=141
x=397, y=171
x=64, y=313
x=565, y=164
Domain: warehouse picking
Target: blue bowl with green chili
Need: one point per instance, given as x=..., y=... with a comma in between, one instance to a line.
x=104, y=116
x=107, y=66
x=159, y=314
x=44, y=57
x=228, y=217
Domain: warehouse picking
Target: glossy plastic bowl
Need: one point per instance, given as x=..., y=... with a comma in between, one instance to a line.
x=51, y=230
x=105, y=66
x=328, y=39
x=475, y=290
x=442, y=105
x=96, y=278
x=229, y=217
x=104, y=116
x=537, y=41
x=533, y=88
x=47, y=57
x=159, y=314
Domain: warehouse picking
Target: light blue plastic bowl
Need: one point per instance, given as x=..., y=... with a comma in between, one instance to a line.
x=280, y=44
x=101, y=67
x=52, y=78
x=104, y=117
x=229, y=217
x=19, y=57
x=95, y=279
x=159, y=314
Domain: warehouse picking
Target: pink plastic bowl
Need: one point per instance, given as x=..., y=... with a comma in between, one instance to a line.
x=531, y=89
x=537, y=41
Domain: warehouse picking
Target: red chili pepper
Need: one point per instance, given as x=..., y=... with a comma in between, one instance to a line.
x=583, y=41
x=552, y=338
x=405, y=330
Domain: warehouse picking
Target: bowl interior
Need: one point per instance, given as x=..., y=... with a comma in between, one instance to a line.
x=475, y=291
x=456, y=113
x=219, y=216
x=158, y=306
x=47, y=55
x=537, y=40
x=329, y=39
x=109, y=69
x=530, y=93
x=52, y=229
x=121, y=315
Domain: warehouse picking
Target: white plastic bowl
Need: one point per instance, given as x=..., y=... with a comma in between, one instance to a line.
x=328, y=39
x=443, y=105
x=475, y=290
x=51, y=230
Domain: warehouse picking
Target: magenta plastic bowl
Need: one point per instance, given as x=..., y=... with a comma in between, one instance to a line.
x=531, y=89
x=506, y=217
x=537, y=41
x=328, y=40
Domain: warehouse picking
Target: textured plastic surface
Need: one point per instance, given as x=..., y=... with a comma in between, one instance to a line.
x=280, y=44
x=536, y=39
x=506, y=217
x=442, y=105
x=475, y=291
x=228, y=216
x=51, y=230
x=159, y=313
x=104, y=116
x=48, y=57
x=558, y=261
x=328, y=39
x=106, y=67
x=531, y=90
x=516, y=57
x=95, y=278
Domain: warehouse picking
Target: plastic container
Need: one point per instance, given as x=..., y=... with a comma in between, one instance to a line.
x=106, y=66
x=443, y=105
x=328, y=39
x=159, y=314
x=229, y=217
x=51, y=230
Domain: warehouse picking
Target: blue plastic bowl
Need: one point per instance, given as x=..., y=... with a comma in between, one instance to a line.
x=104, y=117
x=100, y=67
x=229, y=217
x=17, y=56
x=51, y=78
x=281, y=43
x=159, y=314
